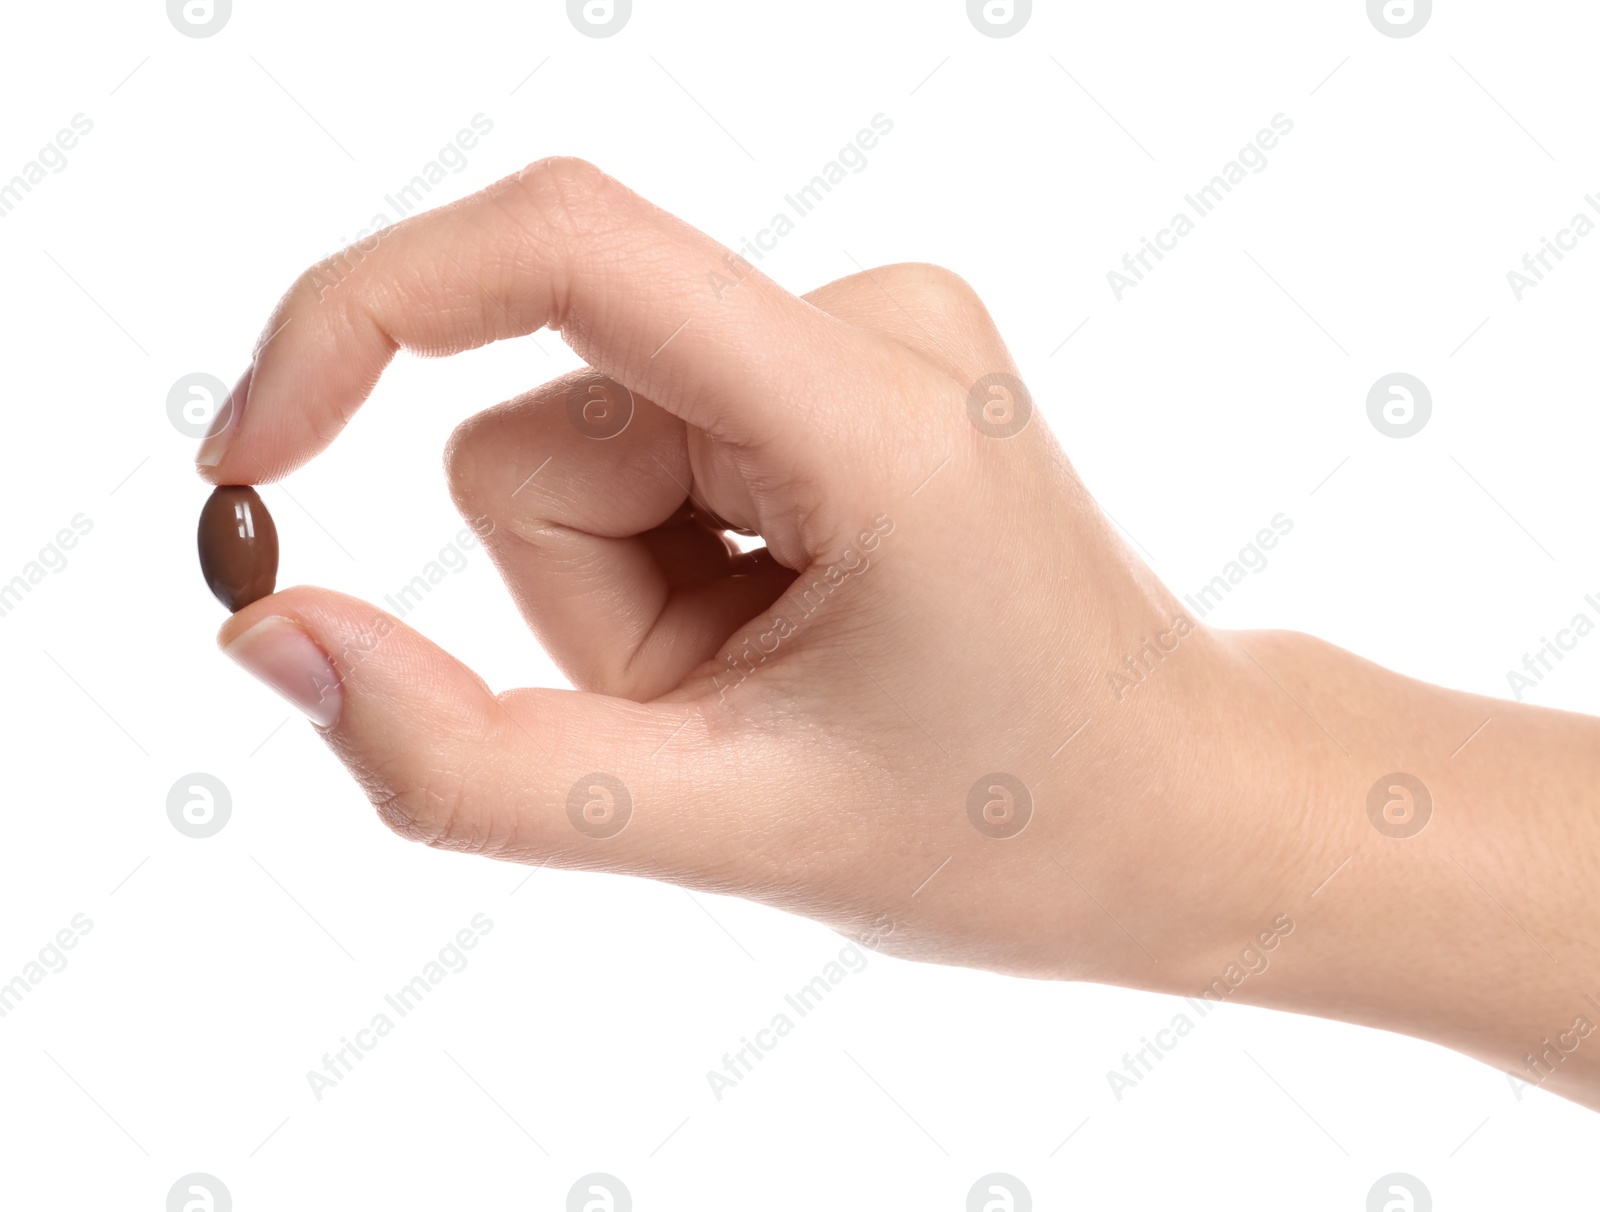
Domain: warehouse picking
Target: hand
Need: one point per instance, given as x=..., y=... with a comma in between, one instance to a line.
x=945, y=711
x=913, y=716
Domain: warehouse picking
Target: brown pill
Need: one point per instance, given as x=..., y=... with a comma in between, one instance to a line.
x=705, y=517
x=238, y=546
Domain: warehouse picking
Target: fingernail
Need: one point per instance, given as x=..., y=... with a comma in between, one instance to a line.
x=226, y=423
x=281, y=654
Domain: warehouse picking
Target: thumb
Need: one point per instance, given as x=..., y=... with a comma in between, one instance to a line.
x=552, y=777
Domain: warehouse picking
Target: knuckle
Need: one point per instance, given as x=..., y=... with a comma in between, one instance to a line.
x=308, y=293
x=326, y=283
x=435, y=812
x=470, y=443
x=935, y=287
x=564, y=194
x=487, y=467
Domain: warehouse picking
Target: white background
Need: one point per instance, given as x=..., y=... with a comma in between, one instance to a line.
x=1229, y=387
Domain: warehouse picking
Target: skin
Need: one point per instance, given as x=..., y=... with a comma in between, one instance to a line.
x=1178, y=810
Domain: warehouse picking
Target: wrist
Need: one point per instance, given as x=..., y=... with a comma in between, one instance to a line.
x=1437, y=871
x=1219, y=825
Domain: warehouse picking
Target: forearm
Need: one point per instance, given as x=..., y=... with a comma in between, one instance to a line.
x=1473, y=928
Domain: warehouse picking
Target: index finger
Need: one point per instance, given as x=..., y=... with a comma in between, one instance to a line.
x=638, y=294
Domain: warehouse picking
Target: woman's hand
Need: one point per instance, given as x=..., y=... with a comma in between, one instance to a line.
x=945, y=711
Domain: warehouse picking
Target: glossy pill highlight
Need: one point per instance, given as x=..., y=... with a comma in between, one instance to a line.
x=238, y=546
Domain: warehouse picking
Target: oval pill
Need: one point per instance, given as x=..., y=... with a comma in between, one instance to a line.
x=238, y=546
